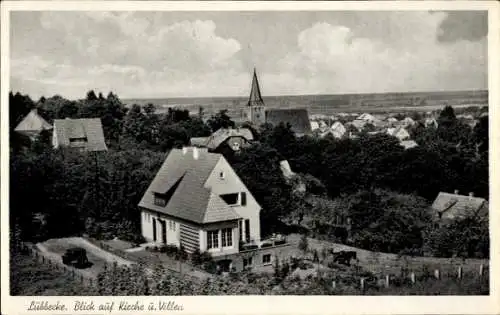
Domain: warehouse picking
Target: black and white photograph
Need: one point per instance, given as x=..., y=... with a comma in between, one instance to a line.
x=246, y=152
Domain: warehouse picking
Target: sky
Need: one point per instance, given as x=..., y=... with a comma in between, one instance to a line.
x=194, y=54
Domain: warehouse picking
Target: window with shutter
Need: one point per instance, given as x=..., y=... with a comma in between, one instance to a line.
x=243, y=198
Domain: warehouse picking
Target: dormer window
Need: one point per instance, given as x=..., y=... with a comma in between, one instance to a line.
x=82, y=139
x=78, y=141
x=230, y=199
x=160, y=200
x=236, y=146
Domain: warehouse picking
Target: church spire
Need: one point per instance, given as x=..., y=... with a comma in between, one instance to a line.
x=255, y=98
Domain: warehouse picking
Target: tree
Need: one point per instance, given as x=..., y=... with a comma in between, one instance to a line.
x=220, y=120
x=304, y=243
x=447, y=117
x=258, y=167
x=466, y=238
x=19, y=106
x=91, y=96
x=280, y=137
x=481, y=136
x=385, y=221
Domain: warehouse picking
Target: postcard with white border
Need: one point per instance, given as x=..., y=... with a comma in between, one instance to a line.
x=241, y=157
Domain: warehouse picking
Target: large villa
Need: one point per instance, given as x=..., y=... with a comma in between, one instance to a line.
x=196, y=201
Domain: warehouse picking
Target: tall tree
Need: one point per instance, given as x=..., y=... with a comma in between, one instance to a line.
x=220, y=120
x=447, y=117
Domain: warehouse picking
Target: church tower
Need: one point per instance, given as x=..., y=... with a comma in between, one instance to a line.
x=255, y=111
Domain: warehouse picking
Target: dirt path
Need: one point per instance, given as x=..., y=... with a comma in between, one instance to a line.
x=55, y=257
x=101, y=253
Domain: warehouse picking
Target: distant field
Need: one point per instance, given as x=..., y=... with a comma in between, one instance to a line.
x=330, y=104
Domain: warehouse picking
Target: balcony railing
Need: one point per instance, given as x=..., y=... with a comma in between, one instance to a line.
x=273, y=241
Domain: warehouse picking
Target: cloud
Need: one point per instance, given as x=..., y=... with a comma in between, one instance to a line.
x=154, y=54
x=332, y=58
x=468, y=25
x=120, y=50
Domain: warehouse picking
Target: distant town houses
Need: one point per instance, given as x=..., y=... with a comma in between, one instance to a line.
x=399, y=132
x=84, y=134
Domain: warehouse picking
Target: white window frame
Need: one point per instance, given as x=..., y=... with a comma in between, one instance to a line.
x=212, y=239
x=270, y=259
x=227, y=237
x=247, y=262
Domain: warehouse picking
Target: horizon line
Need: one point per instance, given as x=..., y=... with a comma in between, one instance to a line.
x=317, y=94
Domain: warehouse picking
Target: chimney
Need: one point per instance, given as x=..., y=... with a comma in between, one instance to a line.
x=196, y=153
x=184, y=150
x=456, y=192
x=471, y=194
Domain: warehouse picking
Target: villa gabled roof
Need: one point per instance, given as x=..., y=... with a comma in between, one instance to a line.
x=32, y=124
x=182, y=177
x=221, y=135
x=90, y=129
x=452, y=206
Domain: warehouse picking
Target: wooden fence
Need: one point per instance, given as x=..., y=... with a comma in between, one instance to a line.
x=58, y=265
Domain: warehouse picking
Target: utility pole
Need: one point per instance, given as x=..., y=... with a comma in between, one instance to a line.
x=96, y=185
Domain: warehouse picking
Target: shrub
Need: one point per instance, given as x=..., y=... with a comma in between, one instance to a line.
x=303, y=243
x=198, y=258
x=180, y=253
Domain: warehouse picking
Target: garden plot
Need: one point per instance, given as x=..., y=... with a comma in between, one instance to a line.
x=386, y=263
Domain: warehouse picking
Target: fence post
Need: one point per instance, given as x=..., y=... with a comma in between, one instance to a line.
x=387, y=279
x=362, y=283
x=459, y=272
x=436, y=274
x=412, y=277
x=481, y=270
x=334, y=285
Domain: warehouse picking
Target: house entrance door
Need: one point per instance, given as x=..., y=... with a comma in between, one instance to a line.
x=163, y=231
x=154, y=230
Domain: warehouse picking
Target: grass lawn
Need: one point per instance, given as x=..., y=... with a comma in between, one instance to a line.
x=30, y=277
x=118, y=244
